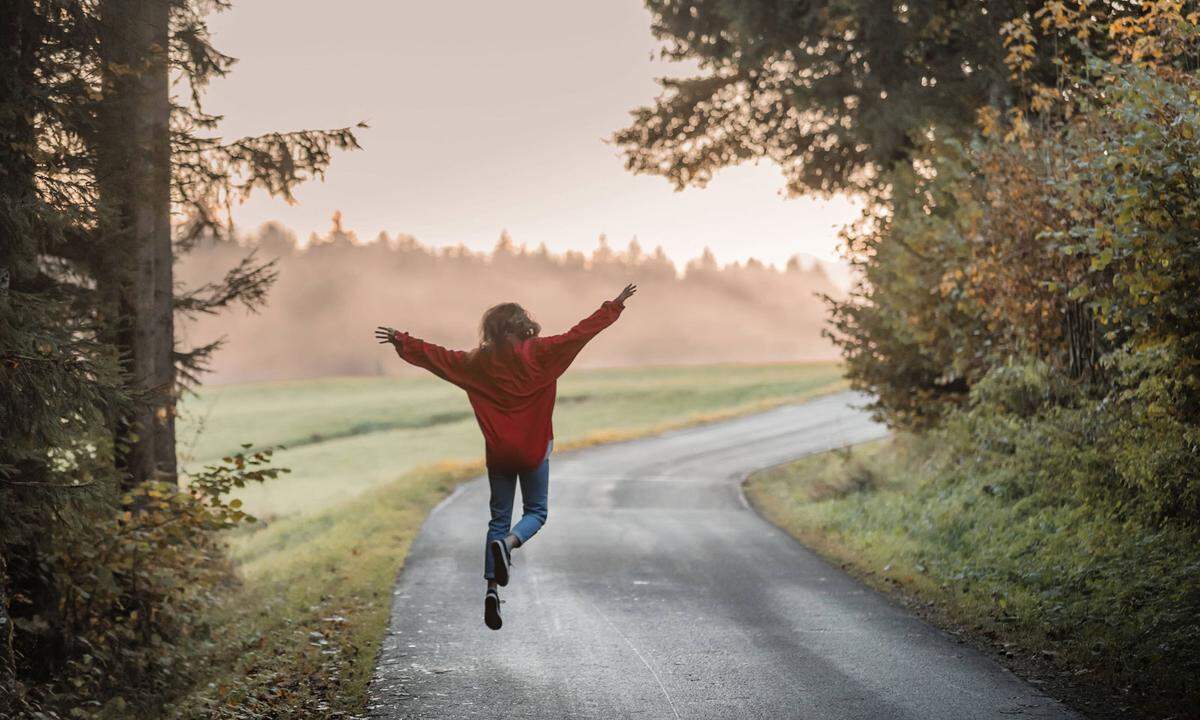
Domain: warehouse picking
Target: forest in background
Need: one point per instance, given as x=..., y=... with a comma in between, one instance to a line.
x=334, y=290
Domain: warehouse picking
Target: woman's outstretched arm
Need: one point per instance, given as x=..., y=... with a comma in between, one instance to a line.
x=450, y=365
x=556, y=352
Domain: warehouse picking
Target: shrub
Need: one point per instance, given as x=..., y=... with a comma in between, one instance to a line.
x=1021, y=389
x=130, y=590
x=1050, y=280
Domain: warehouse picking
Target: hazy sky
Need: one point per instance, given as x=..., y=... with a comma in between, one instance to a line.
x=485, y=116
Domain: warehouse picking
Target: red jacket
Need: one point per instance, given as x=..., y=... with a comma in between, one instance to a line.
x=511, y=388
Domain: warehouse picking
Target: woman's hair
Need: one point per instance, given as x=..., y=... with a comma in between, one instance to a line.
x=504, y=321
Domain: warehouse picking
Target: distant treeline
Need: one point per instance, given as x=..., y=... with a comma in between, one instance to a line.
x=331, y=293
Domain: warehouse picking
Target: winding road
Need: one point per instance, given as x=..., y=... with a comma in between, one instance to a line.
x=654, y=592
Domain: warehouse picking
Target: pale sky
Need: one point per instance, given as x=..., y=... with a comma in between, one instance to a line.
x=487, y=116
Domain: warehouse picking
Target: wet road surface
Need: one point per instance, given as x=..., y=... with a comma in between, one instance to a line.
x=653, y=591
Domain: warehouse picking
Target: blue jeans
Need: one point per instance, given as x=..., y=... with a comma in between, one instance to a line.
x=535, y=492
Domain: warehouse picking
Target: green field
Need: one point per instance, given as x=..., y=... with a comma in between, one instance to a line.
x=346, y=435
x=370, y=457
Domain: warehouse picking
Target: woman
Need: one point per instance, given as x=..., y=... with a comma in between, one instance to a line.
x=510, y=379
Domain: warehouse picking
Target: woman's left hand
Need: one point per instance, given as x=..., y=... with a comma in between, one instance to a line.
x=385, y=335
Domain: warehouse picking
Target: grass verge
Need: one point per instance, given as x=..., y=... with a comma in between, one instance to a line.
x=297, y=637
x=1099, y=611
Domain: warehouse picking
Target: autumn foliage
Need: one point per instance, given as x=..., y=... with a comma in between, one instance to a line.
x=1061, y=236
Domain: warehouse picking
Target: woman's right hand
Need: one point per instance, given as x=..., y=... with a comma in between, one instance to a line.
x=627, y=293
x=385, y=335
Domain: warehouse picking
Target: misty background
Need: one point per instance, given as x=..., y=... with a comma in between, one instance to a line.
x=334, y=289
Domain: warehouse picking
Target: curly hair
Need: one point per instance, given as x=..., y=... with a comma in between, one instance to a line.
x=504, y=322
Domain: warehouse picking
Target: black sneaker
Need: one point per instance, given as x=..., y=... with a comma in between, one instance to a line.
x=491, y=609
x=501, y=561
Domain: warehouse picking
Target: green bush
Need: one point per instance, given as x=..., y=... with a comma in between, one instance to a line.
x=1020, y=389
x=131, y=590
x=1052, y=280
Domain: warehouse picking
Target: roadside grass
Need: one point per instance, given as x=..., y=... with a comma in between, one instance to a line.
x=1098, y=610
x=298, y=635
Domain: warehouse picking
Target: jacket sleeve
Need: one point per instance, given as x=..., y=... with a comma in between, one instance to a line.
x=555, y=353
x=449, y=365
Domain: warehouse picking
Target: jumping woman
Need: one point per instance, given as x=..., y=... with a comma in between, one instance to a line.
x=511, y=380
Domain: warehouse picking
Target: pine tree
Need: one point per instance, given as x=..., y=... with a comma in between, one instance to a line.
x=95, y=156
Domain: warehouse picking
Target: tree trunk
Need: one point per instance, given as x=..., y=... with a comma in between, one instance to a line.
x=1082, y=353
x=134, y=161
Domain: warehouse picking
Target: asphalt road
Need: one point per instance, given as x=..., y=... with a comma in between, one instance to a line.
x=653, y=591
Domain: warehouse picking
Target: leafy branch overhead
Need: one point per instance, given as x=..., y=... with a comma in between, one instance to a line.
x=837, y=93
x=247, y=283
x=210, y=175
